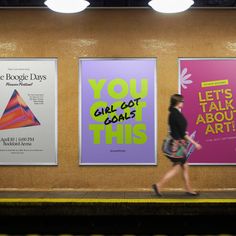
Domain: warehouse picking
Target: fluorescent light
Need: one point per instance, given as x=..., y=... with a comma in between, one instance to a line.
x=170, y=6
x=67, y=6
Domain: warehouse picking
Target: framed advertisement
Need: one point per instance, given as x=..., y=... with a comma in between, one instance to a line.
x=117, y=113
x=209, y=88
x=28, y=107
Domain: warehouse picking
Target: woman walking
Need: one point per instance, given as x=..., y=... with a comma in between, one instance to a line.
x=180, y=139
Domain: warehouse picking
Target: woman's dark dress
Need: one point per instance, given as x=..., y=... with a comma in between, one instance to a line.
x=178, y=125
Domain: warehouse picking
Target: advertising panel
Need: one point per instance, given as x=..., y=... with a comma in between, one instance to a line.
x=118, y=111
x=209, y=88
x=28, y=107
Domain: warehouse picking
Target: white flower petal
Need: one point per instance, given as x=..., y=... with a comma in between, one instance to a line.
x=187, y=82
x=184, y=71
x=187, y=76
x=184, y=87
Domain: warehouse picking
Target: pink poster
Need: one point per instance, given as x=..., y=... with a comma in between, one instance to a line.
x=209, y=90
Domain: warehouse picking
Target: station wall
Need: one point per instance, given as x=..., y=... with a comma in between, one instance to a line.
x=113, y=33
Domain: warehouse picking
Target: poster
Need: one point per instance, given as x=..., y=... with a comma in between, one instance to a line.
x=28, y=107
x=209, y=90
x=118, y=112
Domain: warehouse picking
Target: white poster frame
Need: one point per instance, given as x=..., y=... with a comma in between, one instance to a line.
x=53, y=159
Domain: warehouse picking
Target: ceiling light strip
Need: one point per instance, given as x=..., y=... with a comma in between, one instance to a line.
x=115, y=8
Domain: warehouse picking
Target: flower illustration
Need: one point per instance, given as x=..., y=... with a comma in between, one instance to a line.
x=184, y=78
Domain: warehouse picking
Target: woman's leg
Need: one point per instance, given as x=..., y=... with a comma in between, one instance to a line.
x=185, y=168
x=172, y=172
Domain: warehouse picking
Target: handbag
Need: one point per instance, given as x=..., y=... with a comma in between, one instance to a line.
x=167, y=146
x=172, y=148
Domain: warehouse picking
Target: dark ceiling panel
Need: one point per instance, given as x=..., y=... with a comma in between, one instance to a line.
x=21, y=3
x=116, y=3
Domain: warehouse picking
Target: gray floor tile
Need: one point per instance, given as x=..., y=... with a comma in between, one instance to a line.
x=116, y=195
x=111, y=195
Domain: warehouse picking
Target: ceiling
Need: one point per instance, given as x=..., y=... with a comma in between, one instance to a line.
x=118, y=3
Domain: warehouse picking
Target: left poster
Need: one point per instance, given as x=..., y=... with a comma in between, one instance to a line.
x=28, y=111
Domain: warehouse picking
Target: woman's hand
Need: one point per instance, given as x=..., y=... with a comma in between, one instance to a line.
x=198, y=146
x=189, y=139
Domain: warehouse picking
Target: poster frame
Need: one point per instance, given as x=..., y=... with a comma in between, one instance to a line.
x=179, y=91
x=55, y=60
x=80, y=122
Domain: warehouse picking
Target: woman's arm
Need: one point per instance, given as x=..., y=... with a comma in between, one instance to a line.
x=197, y=145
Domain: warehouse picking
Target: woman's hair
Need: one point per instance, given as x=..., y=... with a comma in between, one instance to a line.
x=175, y=99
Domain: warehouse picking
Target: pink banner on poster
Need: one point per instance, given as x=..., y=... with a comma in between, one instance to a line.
x=209, y=90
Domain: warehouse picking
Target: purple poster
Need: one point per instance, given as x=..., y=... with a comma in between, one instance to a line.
x=209, y=88
x=118, y=112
